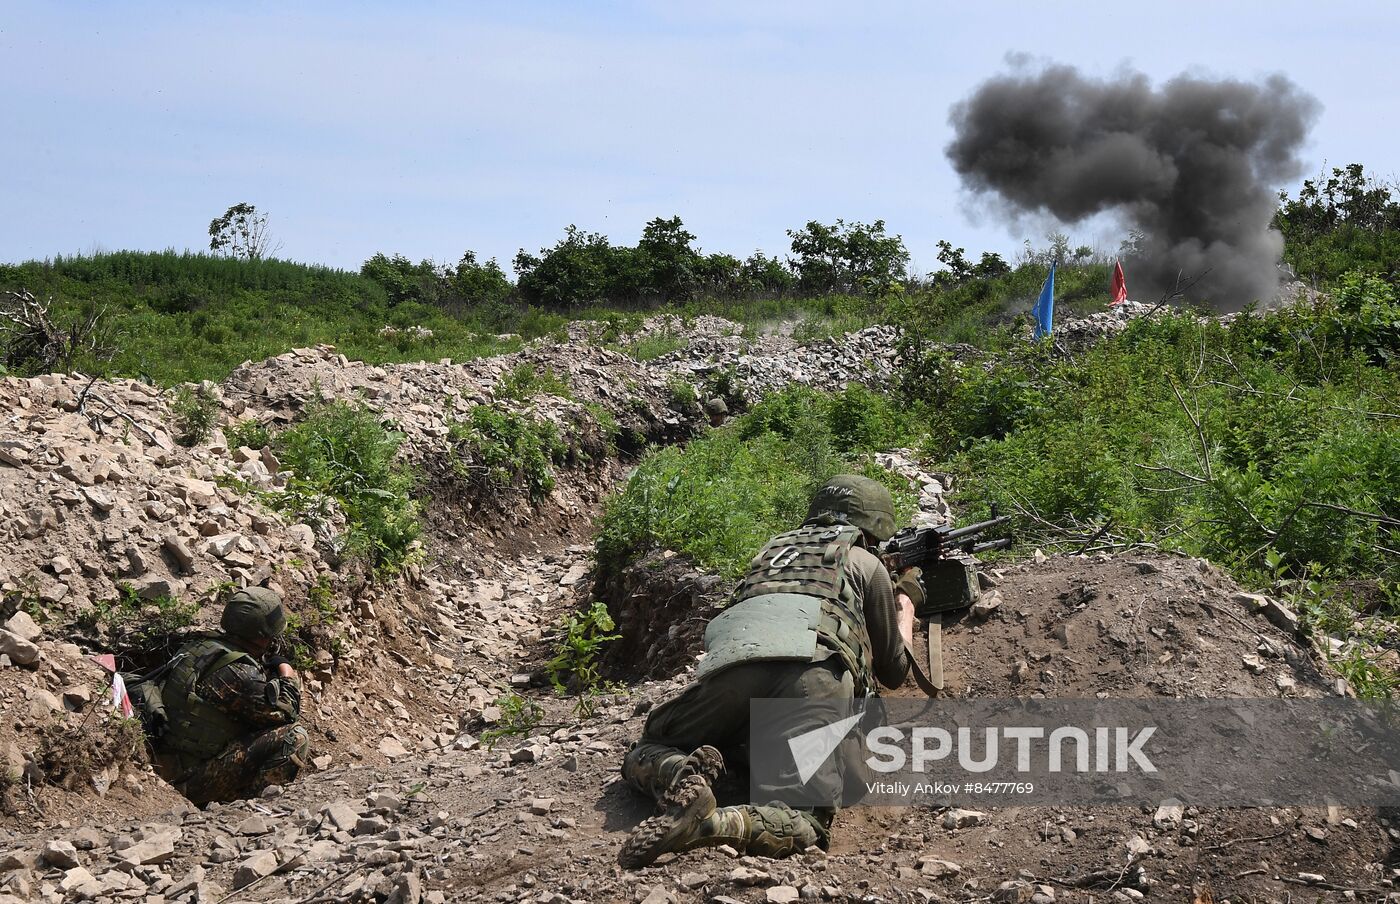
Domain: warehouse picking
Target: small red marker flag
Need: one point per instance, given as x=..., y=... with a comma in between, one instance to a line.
x=1120, y=285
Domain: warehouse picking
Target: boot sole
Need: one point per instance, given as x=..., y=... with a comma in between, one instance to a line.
x=689, y=800
x=706, y=762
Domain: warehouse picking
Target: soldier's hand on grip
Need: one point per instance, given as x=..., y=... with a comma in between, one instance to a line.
x=911, y=585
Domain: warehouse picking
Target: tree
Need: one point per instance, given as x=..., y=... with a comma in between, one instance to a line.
x=479, y=283
x=241, y=232
x=34, y=338
x=1342, y=222
x=668, y=262
x=847, y=257
x=402, y=279
x=766, y=275
x=960, y=269
x=582, y=267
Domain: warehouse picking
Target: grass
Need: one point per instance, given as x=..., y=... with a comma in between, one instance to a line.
x=726, y=493
x=184, y=317
x=180, y=317
x=497, y=447
x=1230, y=442
x=1269, y=446
x=653, y=347
x=343, y=452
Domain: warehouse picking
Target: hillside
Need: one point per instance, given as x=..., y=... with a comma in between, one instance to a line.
x=445, y=767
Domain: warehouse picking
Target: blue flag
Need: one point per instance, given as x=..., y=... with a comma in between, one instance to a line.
x=1044, y=310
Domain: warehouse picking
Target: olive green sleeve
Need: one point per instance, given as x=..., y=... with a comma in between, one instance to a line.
x=890, y=664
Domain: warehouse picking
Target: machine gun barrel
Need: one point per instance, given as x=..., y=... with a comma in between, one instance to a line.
x=992, y=544
x=972, y=529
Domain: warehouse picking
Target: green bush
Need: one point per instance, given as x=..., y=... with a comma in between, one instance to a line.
x=502, y=448
x=990, y=313
x=1368, y=311
x=722, y=496
x=1266, y=436
x=195, y=411
x=134, y=621
x=342, y=451
x=524, y=382
x=248, y=432
x=575, y=661
x=680, y=394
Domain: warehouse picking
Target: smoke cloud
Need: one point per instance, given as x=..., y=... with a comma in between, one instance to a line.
x=1192, y=166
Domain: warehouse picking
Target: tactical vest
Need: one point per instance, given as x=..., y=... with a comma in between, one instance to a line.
x=197, y=730
x=796, y=596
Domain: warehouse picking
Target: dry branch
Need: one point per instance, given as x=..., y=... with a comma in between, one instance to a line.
x=31, y=337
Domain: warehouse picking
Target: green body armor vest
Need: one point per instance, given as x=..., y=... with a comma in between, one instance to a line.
x=197, y=730
x=796, y=597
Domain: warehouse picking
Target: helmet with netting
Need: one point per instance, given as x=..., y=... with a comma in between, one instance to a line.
x=254, y=613
x=856, y=500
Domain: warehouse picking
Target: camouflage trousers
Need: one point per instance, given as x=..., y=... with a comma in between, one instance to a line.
x=243, y=769
x=715, y=711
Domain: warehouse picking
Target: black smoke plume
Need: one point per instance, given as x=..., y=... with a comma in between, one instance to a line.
x=1190, y=166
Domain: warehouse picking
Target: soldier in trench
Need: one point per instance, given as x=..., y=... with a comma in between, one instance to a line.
x=716, y=410
x=232, y=711
x=762, y=646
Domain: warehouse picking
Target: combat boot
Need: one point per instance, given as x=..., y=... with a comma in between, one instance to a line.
x=706, y=762
x=692, y=820
x=655, y=769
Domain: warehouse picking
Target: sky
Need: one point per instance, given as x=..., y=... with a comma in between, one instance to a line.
x=427, y=129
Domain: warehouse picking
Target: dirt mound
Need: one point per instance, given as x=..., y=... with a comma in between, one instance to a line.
x=1126, y=626
x=768, y=364
x=120, y=539
x=63, y=755
x=94, y=492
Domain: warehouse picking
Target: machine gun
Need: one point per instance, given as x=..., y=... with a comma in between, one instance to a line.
x=949, y=579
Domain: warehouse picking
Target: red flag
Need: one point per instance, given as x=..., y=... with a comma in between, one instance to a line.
x=1120, y=285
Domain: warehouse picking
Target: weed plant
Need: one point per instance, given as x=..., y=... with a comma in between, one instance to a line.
x=343, y=452
x=502, y=448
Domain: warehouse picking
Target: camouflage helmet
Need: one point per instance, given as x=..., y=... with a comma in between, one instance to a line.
x=716, y=406
x=254, y=613
x=858, y=501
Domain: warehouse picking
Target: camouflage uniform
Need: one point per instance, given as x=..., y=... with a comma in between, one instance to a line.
x=825, y=568
x=231, y=728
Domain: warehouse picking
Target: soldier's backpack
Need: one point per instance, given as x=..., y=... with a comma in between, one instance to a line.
x=145, y=693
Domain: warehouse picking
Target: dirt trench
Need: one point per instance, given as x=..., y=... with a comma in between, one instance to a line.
x=540, y=816
x=416, y=804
